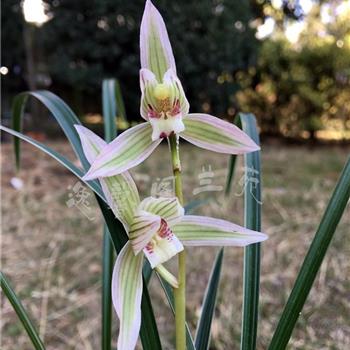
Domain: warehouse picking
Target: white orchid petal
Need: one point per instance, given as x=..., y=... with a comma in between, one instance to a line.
x=195, y=230
x=126, y=296
x=120, y=190
x=156, y=52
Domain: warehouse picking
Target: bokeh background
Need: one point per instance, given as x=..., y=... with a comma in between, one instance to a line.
x=288, y=62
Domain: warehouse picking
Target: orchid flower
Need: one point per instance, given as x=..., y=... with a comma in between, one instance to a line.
x=166, y=110
x=157, y=229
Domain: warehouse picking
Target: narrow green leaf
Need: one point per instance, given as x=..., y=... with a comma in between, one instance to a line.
x=202, y=338
x=109, y=108
x=120, y=101
x=312, y=261
x=252, y=220
x=107, y=269
x=93, y=185
x=21, y=313
x=61, y=112
x=230, y=174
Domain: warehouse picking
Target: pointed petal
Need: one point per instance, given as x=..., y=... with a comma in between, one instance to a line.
x=126, y=296
x=120, y=190
x=122, y=196
x=142, y=229
x=91, y=143
x=126, y=151
x=168, y=209
x=148, y=82
x=204, y=231
x=214, y=134
x=163, y=246
x=156, y=52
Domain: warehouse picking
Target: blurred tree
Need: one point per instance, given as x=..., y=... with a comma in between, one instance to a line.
x=12, y=53
x=303, y=86
x=87, y=41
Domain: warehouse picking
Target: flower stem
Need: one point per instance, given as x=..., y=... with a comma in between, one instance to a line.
x=180, y=292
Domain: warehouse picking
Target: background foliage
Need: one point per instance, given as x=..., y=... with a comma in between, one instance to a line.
x=294, y=88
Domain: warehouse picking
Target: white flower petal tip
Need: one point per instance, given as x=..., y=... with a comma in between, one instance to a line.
x=91, y=143
x=156, y=52
x=195, y=230
x=126, y=296
x=163, y=246
x=128, y=150
x=214, y=134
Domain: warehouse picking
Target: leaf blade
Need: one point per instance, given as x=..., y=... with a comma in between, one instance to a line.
x=21, y=313
x=312, y=261
x=202, y=338
x=252, y=220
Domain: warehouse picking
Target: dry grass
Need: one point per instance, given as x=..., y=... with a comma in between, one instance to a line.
x=52, y=253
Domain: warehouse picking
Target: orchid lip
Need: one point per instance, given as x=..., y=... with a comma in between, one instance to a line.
x=163, y=245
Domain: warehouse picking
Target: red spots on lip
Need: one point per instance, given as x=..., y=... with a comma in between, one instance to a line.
x=176, y=108
x=164, y=109
x=149, y=248
x=163, y=135
x=152, y=113
x=164, y=230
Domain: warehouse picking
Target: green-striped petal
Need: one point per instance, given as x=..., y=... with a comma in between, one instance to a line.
x=126, y=296
x=214, y=134
x=168, y=209
x=156, y=51
x=120, y=190
x=122, y=196
x=126, y=151
x=142, y=229
x=204, y=231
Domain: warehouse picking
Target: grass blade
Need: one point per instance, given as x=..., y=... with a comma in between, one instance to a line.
x=252, y=220
x=107, y=269
x=21, y=313
x=312, y=261
x=61, y=112
x=93, y=185
x=202, y=338
x=120, y=101
x=109, y=108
